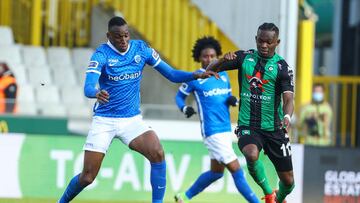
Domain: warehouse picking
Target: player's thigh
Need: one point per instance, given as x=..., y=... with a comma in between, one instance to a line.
x=278, y=149
x=250, y=142
x=220, y=147
x=130, y=129
x=100, y=135
x=141, y=138
x=233, y=166
x=92, y=162
x=216, y=167
x=148, y=144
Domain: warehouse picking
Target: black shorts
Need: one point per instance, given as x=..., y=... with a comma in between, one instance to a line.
x=276, y=145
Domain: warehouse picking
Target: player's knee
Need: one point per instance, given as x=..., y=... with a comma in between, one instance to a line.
x=288, y=181
x=251, y=153
x=251, y=156
x=87, y=178
x=156, y=155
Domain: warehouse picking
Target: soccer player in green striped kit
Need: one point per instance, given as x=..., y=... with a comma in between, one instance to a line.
x=266, y=105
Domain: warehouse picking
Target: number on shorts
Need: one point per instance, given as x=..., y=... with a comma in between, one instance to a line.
x=285, y=148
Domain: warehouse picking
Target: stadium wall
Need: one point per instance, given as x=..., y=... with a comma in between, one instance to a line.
x=40, y=166
x=242, y=18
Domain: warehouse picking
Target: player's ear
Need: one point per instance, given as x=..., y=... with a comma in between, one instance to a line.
x=278, y=42
x=108, y=35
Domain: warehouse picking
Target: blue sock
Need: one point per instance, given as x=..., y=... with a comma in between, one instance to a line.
x=243, y=187
x=202, y=182
x=73, y=189
x=158, y=181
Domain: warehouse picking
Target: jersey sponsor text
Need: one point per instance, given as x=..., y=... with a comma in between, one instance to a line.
x=125, y=76
x=216, y=91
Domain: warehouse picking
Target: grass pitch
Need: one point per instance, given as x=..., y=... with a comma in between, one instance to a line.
x=32, y=200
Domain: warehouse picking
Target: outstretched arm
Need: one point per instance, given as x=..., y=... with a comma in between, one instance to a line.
x=230, y=61
x=178, y=76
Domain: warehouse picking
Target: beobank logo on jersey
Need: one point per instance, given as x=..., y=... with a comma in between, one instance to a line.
x=125, y=76
x=216, y=91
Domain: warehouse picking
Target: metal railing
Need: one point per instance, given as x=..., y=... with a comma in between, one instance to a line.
x=170, y=26
x=48, y=22
x=342, y=94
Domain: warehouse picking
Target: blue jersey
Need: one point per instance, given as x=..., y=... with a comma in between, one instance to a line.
x=211, y=95
x=120, y=75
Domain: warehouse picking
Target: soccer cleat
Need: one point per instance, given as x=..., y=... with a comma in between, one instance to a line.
x=181, y=198
x=270, y=198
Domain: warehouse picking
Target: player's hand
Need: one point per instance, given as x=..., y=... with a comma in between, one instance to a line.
x=188, y=111
x=285, y=123
x=206, y=74
x=102, y=96
x=232, y=101
x=230, y=56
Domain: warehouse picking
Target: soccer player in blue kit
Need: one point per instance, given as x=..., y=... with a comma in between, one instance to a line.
x=213, y=99
x=117, y=67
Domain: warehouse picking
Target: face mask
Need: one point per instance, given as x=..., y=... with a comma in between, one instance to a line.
x=318, y=96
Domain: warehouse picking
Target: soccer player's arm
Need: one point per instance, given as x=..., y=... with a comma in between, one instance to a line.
x=231, y=100
x=230, y=61
x=184, y=90
x=181, y=95
x=153, y=59
x=287, y=89
x=93, y=72
x=177, y=76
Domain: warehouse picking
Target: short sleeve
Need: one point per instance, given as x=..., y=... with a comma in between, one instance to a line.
x=152, y=57
x=97, y=61
x=186, y=88
x=286, y=77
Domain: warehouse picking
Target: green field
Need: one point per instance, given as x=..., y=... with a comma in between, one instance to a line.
x=33, y=200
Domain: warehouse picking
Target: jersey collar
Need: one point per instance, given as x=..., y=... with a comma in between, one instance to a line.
x=117, y=51
x=257, y=53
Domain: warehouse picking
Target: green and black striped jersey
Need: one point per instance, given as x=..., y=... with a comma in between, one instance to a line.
x=261, y=83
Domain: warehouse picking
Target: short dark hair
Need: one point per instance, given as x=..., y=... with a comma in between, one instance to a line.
x=116, y=21
x=269, y=27
x=203, y=43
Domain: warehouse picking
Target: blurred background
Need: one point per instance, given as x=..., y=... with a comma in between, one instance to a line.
x=45, y=47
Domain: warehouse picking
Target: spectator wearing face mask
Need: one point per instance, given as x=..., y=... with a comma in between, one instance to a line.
x=315, y=119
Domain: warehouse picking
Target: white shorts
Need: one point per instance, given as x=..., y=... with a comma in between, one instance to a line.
x=104, y=129
x=220, y=147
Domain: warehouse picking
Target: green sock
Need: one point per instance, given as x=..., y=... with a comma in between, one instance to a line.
x=257, y=171
x=283, y=191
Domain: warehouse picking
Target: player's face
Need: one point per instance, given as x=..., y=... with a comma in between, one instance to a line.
x=207, y=56
x=266, y=43
x=119, y=36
